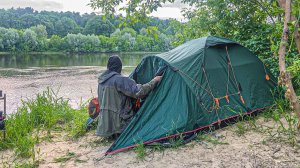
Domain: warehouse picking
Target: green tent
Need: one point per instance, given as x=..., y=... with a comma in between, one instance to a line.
x=206, y=81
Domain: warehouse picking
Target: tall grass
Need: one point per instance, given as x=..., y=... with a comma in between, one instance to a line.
x=44, y=113
x=283, y=119
x=285, y=128
x=140, y=151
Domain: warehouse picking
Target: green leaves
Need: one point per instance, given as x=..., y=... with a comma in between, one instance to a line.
x=99, y=26
x=71, y=32
x=136, y=10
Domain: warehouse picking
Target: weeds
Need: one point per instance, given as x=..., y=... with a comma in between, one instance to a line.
x=285, y=122
x=241, y=128
x=176, y=141
x=45, y=113
x=285, y=128
x=65, y=158
x=26, y=165
x=210, y=139
x=80, y=161
x=140, y=151
x=157, y=147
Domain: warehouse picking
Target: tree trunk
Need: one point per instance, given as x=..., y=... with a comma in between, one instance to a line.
x=296, y=34
x=281, y=3
x=284, y=77
x=292, y=18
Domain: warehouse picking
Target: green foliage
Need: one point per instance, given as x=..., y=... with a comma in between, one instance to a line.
x=72, y=32
x=140, y=151
x=120, y=40
x=107, y=44
x=63, y=159
x=240, y=128
x=82, y=43
x=135, y=11
x=46, y=112
x=26, y=165
x=56, y=43
x=66, y=25
x=285, y=129
x=30, y=40
x=9, y=39
x=99, y=26
x=80, y=161
x=210, y=139
x=294, y=69
x=255, y=24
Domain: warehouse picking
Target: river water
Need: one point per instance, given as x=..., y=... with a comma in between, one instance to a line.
x=23, y=61
x=72, y=76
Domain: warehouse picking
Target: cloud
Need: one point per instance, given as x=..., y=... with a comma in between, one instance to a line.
x=35, y=4
x=168, y=10
x=176, y=4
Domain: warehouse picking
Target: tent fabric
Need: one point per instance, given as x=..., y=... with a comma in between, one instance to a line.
x=207, y=80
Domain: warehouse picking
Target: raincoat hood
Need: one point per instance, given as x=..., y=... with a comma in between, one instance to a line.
x=106, y=75
x=114, y=64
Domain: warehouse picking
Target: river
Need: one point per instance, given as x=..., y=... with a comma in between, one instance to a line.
x=72, y=76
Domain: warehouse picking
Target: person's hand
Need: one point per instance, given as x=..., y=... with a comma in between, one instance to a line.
x=158, y=78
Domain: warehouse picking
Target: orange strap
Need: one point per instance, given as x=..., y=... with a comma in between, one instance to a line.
x=227, y=98
x=217, y=103
x=267, y=77
x=241, y=97
x=137, y=103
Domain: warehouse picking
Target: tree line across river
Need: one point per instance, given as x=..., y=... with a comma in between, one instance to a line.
x=24, y=29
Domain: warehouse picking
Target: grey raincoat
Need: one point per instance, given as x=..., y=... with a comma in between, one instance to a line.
x=115, y=93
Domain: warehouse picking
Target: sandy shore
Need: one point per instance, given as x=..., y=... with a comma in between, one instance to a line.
x=248, y=151
x=78, y=84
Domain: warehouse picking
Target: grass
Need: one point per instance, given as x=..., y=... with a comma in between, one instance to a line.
x=140, y=151
x=37, y=118
x=65, y=158
x=175, y=143
x=283, y=130
x=44, y=113
x=80, y=161
x=26, y=165
x=210, y=139
x=285, y=127
x=241, y=128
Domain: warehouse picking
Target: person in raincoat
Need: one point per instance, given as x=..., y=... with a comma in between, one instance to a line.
x=115, y=93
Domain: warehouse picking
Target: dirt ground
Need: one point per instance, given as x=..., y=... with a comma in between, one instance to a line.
x=252, y=149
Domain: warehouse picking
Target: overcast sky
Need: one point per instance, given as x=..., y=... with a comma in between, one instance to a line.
x=168, y=11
